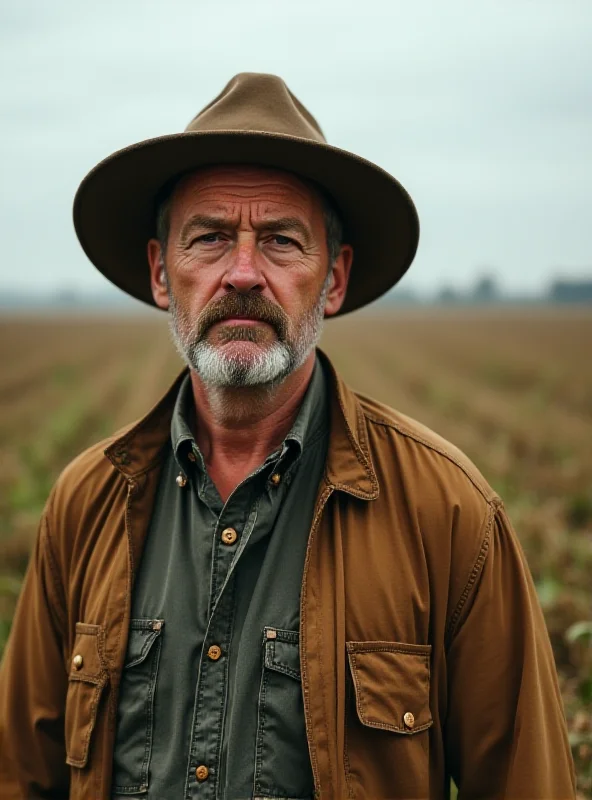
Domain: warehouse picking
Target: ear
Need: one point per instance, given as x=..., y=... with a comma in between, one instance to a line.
x=158, y=281
x=340, y=279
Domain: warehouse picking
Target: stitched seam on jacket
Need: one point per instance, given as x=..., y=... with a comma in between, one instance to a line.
x=319, y=628
x=475, y=572
x=415, y=653
x=59, y=604
x=322, y=501
x=491, y=499
x=132, y=488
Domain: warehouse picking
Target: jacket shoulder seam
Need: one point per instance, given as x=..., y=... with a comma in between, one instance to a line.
x=487, y=496
x=475, y=571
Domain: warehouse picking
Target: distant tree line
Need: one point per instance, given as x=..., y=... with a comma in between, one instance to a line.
x=487, y=291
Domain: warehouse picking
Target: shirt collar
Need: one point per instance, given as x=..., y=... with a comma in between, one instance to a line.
x=312, y=421
x=141, y=447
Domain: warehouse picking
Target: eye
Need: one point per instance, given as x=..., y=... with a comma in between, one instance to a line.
x=208, y=238
x=282, y=240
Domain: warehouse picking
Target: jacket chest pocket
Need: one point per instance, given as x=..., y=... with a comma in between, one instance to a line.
x=387, y=741
x=133, y=741
x=87, y=678
x=282, y=764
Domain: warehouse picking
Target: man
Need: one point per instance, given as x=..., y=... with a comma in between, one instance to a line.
x=270, y=587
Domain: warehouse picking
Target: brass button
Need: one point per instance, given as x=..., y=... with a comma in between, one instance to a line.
x=409, y=720
x=181, y=480
x=229, y=536
x=214, y=652
x=157, y=625
x=276, y=478
x=271, y=634
x=202, y=772
x=191, y=457
x=77, y=661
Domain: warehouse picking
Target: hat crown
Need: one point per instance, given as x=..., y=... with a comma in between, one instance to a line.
x=254, y=101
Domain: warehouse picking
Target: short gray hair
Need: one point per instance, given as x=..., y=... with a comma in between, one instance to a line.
x=333, y=222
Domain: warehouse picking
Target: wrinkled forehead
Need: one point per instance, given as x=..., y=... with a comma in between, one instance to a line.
x=246, y=183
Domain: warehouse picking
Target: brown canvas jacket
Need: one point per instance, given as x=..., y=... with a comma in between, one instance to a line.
x=424, y=653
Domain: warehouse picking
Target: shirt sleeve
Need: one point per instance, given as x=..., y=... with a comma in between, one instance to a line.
x=33, y=685
x=505, y=733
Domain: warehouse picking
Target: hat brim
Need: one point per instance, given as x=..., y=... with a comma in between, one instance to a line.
x=114, y=207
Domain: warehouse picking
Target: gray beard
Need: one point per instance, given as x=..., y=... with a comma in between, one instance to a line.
x=269, y=367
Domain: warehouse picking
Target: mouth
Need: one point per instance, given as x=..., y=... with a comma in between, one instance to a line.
x=242, y=321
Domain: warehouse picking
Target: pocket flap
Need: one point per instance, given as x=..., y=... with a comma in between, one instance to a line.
x=87, y=662
x=392, y=685
x=87, y=679
x=142, y=635
x=282, y=651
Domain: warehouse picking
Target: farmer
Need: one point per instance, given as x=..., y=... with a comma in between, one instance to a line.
x=270, y=587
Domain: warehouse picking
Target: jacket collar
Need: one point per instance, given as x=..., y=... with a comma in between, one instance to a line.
x=348, y=468
x=139, y=447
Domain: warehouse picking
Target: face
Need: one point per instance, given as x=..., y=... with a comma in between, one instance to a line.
x=247, y=274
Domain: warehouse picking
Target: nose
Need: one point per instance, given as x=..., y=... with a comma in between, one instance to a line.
x=243, y=274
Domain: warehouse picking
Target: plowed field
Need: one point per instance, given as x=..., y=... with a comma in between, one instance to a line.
x=512, y=388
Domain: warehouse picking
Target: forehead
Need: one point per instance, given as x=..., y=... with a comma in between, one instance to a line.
x=235, y=183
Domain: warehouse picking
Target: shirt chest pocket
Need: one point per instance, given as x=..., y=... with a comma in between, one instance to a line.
x=388, y=716
x=135, y=724
x=86, y=680
x=282, y=763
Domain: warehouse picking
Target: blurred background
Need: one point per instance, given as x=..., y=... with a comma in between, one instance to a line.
x=482, y=110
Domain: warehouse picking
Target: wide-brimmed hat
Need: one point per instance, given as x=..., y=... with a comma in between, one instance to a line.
x=255, y=120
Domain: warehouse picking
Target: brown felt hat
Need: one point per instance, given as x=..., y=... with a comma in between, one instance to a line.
x=255, y=120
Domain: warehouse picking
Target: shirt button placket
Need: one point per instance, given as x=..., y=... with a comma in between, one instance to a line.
x=207, y=736
x=211, y=690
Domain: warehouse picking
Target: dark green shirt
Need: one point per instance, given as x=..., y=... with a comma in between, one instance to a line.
x=211, y=701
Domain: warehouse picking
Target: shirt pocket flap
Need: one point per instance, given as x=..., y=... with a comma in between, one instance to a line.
x=86, y=681
x=392, y=685
x=282, y=651
x=142, y=635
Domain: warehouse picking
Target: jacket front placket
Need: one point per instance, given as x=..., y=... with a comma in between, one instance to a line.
x=349, y=471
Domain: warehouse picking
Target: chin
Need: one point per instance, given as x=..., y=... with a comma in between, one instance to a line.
x=242, y=363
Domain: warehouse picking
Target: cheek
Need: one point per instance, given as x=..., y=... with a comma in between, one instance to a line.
x=192, y=287
x=295, y=288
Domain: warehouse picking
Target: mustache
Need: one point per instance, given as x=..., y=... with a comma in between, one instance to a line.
x=252, y=305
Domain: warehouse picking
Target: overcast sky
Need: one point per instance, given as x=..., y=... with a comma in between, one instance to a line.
x=481, y=108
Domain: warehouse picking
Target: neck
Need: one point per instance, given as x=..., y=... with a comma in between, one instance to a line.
x=239, y=427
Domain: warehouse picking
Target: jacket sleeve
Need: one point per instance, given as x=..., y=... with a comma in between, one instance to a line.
x=505, y=735
x=33, y=684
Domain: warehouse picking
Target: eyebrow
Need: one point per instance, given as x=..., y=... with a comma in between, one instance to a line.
x=202, y=221
x=219, y=223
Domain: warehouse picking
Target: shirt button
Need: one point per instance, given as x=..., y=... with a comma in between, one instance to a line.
x=409, y=720
x=229, y=536
x=191, y=457
x=214, y=652
x=77, y=661
x=202, y=772
x=181, y=480
x=276, y=478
